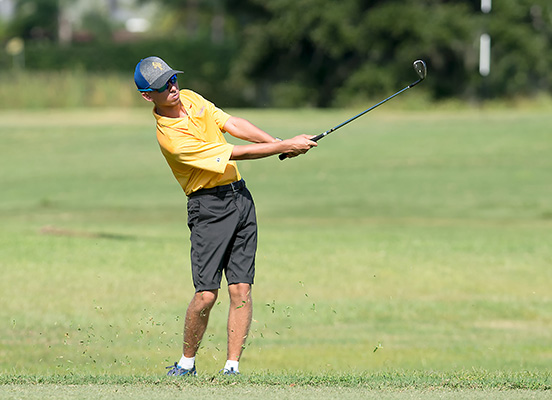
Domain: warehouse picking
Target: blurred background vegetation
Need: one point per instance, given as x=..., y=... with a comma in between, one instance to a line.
x=277, y=53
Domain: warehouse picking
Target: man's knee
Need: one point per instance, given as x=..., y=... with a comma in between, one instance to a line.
x=240, y=292
x=205, y=300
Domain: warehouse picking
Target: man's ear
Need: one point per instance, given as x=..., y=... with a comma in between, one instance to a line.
x=146, y=96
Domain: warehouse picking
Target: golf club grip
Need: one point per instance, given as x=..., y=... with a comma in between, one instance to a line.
x=283, y=156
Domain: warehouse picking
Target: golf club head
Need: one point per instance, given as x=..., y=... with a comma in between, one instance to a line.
x=420, y=68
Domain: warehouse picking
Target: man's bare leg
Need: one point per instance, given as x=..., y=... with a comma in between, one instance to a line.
x=239, y=318
x=197, y=317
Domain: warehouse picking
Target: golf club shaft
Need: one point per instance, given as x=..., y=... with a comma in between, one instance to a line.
x=283, y=156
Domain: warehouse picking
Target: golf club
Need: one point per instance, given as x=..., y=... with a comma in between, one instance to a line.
x=420, y=68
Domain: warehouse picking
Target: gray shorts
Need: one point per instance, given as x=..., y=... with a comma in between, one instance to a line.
x=223, y=235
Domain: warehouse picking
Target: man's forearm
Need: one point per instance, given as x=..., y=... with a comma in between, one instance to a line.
x=245, y=130
x=292, y=147
x=257, y=150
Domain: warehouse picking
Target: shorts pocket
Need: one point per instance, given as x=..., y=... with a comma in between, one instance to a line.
x=193, y=212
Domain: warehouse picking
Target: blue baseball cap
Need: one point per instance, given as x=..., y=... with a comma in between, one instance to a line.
x=152, y=73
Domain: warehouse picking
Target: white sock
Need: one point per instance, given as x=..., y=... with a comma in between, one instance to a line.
x=186, y=363
x=232, y=364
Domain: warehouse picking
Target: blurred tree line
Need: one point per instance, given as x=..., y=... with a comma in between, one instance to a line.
x=317, y=53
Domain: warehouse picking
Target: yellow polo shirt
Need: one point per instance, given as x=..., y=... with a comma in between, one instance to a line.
x=195, y=147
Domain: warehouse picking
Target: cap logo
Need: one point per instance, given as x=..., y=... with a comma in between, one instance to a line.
x=157, y=65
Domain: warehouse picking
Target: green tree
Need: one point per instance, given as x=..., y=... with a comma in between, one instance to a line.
x=35, y=19
x=521, y=34
x=332, y=52
x=191, y=19
x=97, y=24
x=327, y=52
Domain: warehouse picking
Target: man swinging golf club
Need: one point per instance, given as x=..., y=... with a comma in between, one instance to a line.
x=221, y=213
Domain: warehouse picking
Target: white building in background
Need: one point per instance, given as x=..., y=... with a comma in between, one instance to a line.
x=485, y=44
x=127, y=12
x=134, y=17
x=7, y=8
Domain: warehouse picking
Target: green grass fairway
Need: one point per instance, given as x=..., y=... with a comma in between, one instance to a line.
x=387, y=385
x=405, y=245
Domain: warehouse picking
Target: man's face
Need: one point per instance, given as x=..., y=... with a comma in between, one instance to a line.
x=170, y=97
